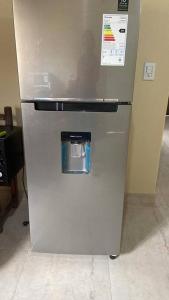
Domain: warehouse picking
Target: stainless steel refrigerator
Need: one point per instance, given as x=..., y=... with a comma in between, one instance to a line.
x=76, y=63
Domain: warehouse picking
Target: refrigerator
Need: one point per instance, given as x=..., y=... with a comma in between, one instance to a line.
x=76, y=65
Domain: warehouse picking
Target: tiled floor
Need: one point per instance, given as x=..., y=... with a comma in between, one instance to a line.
x=140, y=273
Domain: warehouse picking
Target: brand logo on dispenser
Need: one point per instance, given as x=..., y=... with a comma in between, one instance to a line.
x=123, y=5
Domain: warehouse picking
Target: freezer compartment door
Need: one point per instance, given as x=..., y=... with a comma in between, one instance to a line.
x=75, y=193
x=59, y=46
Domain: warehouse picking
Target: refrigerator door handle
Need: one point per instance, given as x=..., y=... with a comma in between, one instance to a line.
x=76, y=106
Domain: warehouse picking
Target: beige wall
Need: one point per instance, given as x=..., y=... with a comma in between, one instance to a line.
x=150, y=98
x=9, y=92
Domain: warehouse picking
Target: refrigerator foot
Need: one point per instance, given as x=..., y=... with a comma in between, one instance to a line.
x=113, y=256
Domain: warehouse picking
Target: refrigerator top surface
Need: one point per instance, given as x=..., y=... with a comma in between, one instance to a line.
x=75, y=49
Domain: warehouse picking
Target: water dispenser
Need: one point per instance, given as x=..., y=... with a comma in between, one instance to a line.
x=76, y=152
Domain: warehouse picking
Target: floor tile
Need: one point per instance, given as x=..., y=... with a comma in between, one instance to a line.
x=138, y=275
x=140, y=228
x=49, y=277
x=34, y=277
x=142, y=271
x=15, y=235
x=11, y=267
x=81, y=278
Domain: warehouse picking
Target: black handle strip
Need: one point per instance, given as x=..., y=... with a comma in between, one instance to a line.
x=76, y=106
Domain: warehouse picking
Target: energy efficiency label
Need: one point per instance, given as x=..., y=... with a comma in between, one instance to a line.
x=114, y=36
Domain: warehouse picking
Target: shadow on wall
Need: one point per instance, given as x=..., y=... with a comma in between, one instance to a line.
x=18, y=117
x=141, y=221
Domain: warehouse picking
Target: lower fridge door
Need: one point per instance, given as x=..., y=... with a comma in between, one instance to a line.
x=76, y=163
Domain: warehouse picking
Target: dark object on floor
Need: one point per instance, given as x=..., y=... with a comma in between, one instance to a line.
x=113, y=256
x=11, y=159
x=25, y=223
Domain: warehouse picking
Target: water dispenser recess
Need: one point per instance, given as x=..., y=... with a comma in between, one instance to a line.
x=76, y=152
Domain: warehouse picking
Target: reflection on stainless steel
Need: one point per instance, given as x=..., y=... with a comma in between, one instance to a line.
x=76, y=116
x=115, y=132
x=75, y=100
x=66, y=44
x=76, y=213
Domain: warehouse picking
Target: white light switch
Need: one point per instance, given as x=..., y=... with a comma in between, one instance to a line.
x=149, y=71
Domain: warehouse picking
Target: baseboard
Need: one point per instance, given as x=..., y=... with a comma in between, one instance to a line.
x=135, y=199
